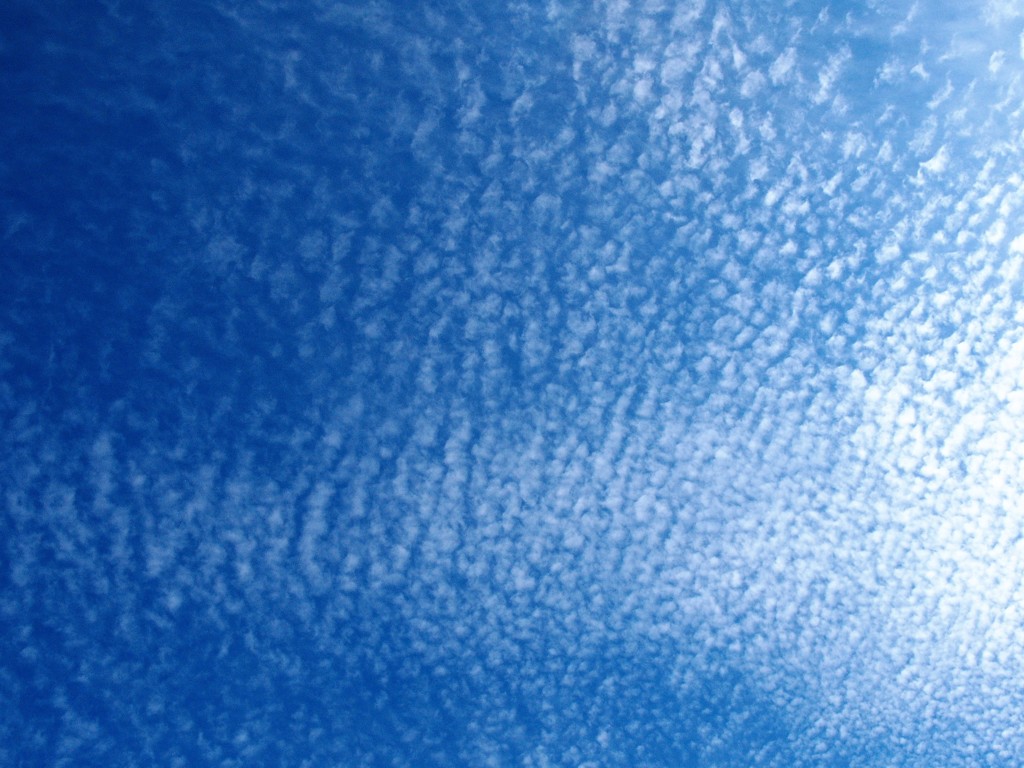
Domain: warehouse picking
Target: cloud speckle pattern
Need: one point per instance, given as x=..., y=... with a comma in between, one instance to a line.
x=528, y=384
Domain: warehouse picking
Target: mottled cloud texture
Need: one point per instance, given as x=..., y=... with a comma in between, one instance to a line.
x=521, y=384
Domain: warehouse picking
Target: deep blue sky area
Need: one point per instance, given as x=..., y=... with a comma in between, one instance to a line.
x=538, y=384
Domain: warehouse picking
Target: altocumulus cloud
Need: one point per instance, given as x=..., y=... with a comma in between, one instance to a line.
x=597, y=384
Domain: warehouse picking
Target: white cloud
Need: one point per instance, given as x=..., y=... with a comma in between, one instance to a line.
x=938, y=162
x=782, y=67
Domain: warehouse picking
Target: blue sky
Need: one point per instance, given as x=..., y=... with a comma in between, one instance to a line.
x=524, y=384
